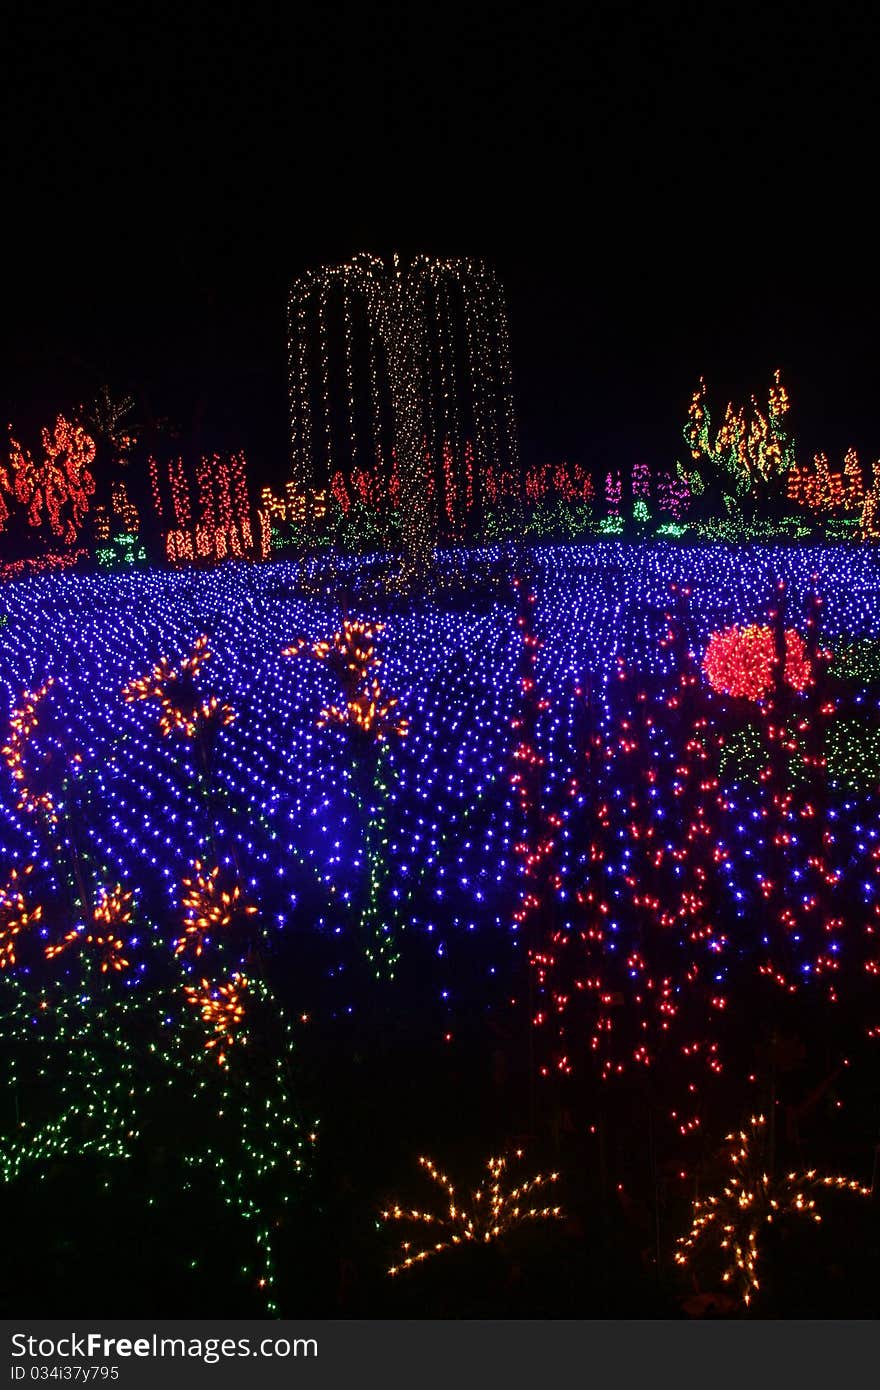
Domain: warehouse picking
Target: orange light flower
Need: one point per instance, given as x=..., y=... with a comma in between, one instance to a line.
x=22, y=722
x=14, y=916
x=350, y=652
x=62, y=945
x=207, y=908
x=369, y=710
x=110, y=949
x=486, y=1214
x=750, y=1199
x=222, y=1011
x=182, y=710
x=351, y=655
x=113, y=908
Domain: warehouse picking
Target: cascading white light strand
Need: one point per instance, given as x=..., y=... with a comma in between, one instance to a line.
x=425, y=396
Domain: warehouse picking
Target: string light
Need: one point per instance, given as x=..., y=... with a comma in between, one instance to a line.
x=368, y=717
x=220, y=525
x=741, y=661
x=753, y=448
x=351, y=655
x=752, y=1198
x=176, y=691
x=750, y=881
x=409, y=316
x=222, y=1011
x=14, y=916
x=482, y=1217
x=58, y=488
x=23, y=721
x=208, y=908
x=105, y=1032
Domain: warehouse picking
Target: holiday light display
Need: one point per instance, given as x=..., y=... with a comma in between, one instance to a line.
x=820, y=489
x=641, y=481
x=368, y=716
x=564, y=830
x=122, y=549
x=222, y=1012
x=14, y=915
x=122, y=519
x=568, y=483
x=558, y=502
x=5, y=487
x=752, y=1198
x=211, y=511
x=539, y=820
x=740, y=661
x=286, y=518
x=176, y=691
x=42, y=564
x=112, y=909
x=109, y=417
x=253, y=1149
x=613, y=493
x=673, y=494
x=80, y=1044
x=869, y=521
x=118, y=1058
x=484, y=1216
x=208, y=909
x=103, y=1026
x=361, y=511
x=424, y=776
x=752, y=449
x=638, y=968
x=370, y=711
x=109, y=949
x=23, y=721
x=407, y=322
x=351, y=655
x=632, y=945
x=858, y=661
x=57, y=489
x=401, y=409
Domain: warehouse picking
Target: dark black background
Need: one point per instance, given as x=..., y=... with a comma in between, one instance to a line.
x=664, y=191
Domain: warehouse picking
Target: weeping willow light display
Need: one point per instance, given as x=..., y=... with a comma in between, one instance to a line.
x=869, y=521
x=752, y=1198
x=395, y=364
x=485, y=1215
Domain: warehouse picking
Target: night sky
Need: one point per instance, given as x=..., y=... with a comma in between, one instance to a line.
x=663, y=192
